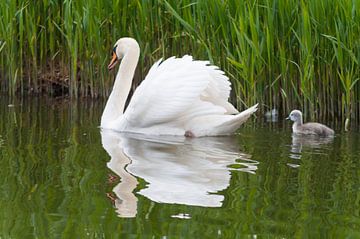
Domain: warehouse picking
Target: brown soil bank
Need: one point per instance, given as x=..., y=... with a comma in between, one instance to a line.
x=50, y=80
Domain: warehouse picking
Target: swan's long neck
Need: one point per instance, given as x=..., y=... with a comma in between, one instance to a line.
x=116, y=103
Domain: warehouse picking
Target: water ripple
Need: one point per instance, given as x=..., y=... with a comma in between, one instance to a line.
x=2, y=141
x=314, y=145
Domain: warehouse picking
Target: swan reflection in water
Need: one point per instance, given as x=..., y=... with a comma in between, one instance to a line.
x=299, y=143
x=177, y=169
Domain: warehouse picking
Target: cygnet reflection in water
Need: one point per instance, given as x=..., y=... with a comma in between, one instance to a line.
x=177, y=169
x=314, y=142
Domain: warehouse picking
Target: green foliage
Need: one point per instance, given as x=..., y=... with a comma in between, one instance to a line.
x=282, y=53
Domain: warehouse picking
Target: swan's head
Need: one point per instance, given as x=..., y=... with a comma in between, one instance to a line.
x=121, y=48
x=295, y=116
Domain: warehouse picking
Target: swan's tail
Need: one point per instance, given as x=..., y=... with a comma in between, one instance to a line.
x=213, y=125
x=248, y=112
x=243, y=116
x=230, y=126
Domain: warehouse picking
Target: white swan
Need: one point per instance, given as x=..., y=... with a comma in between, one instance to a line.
x=179, y=96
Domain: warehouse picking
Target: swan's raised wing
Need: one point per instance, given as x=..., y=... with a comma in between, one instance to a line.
x=174, y=87
x=218, y=90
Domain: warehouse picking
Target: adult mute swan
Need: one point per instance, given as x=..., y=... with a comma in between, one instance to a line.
x=179, y=96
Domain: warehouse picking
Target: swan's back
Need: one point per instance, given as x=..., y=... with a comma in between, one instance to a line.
x=173, y=89
x=178, y=95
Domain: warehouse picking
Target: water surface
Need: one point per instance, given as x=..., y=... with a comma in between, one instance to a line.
x=61, y=177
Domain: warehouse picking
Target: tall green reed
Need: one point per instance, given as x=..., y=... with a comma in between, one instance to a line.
x=284, y=54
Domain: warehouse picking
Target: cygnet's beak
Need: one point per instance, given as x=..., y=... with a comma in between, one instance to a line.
x=113, y=62
x=288, y=118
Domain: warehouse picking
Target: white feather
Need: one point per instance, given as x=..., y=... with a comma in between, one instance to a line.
x=178, y=95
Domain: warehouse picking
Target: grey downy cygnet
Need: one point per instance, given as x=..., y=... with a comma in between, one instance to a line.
x=308, y=128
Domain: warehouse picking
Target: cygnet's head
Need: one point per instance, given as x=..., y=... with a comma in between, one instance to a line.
x=295, y=116
x=121, y=47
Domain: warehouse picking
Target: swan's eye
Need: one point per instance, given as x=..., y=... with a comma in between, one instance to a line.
x=113, y=50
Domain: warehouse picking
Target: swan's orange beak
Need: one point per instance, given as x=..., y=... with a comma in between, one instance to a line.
x=113, y=61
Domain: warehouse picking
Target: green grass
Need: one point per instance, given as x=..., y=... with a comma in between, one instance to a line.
x=282, y=53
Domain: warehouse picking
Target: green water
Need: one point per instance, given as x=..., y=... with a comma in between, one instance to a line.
x=62, y=178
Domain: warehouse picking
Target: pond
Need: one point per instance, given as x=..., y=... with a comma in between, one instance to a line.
x=61, y=177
